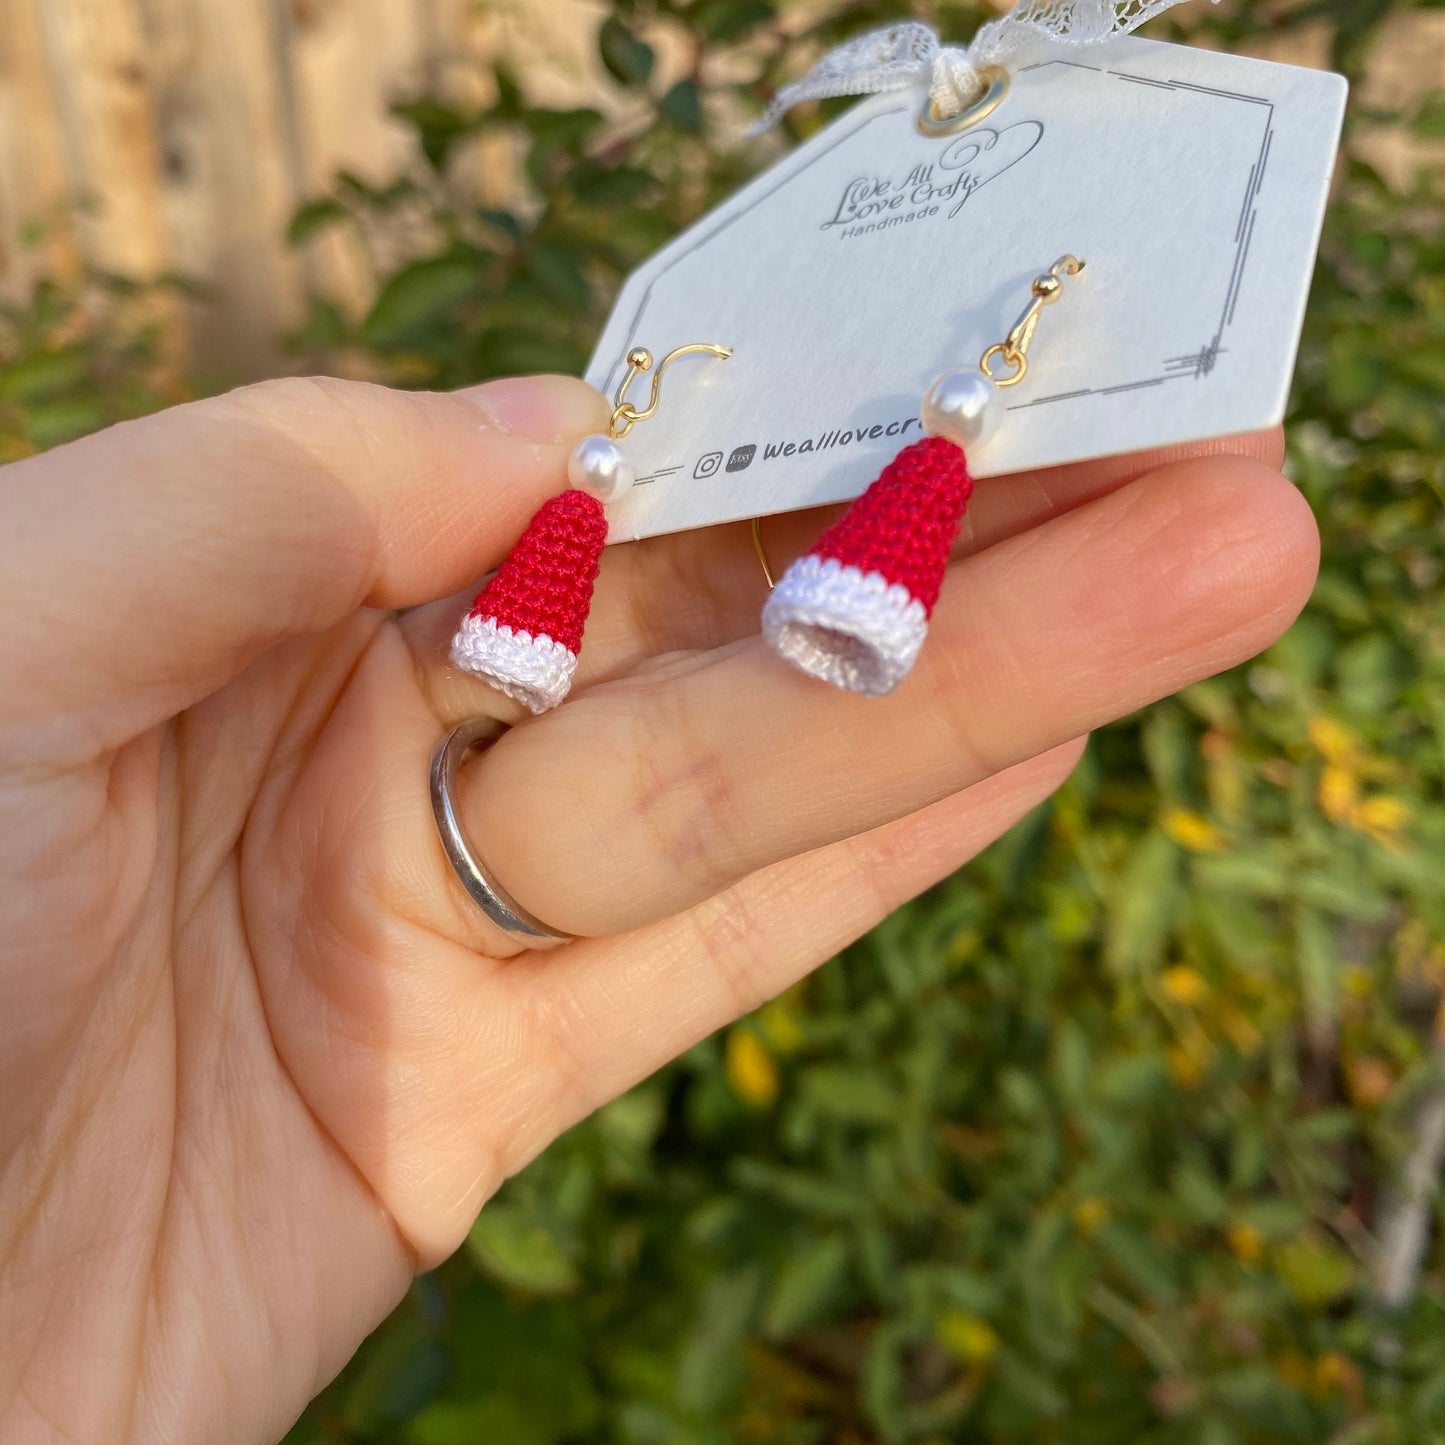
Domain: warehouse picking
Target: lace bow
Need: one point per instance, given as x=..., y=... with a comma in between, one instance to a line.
x=904, y=55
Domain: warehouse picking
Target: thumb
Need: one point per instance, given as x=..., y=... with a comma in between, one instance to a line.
x=143, y=567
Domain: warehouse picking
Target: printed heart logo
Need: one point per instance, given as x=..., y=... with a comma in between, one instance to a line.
x=962, y=168
x=984, y=155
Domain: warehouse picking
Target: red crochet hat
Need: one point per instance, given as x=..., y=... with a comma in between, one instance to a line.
x=524, y=631
x=854, y=609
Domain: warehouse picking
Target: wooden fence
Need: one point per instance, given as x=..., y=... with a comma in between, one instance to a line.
x=155, y=136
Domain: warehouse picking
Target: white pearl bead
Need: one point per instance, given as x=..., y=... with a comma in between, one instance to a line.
x=599, y=466
x=963, y=406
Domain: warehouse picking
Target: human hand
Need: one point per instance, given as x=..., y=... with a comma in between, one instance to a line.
x=260, y=1056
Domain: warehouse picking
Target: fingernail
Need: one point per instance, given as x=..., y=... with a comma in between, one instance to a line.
x=540, y=408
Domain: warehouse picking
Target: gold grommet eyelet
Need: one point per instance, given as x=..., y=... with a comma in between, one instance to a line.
x=995, y=88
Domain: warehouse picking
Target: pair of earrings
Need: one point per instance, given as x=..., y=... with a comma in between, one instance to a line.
x=852, y=610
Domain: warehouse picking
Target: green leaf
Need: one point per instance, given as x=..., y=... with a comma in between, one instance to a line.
x=381, y=199
x=632, y=1122
x=1429, y=122
x=1131, y=1079
x=864, y=1096
x=1143, y=1266
x=514, y=1250
x=1198, y=1195
x=49, y=423
x=729, y=20
x=313, y=218
x=1316, y=1271
x=503, y=221
x=438, y=127
x=1142, y=906
x=1371, y=248
x=1275, y=1218
x=711, y=1366
x=1072, y=1063
x=1319, y=967
x=558, y=272
x=1026, y=1391
x=1265, y=1401
x=1371, y=672
x=519, y=1375
x=883, y=1381
x=621, y=186
x=43, y=374
x=1168, y=749
x=421, y=293
x=806, y=1286
x=510, y=103
x=404, y=1368
x=628, y=59
x=682, y=105
x=505, y=351
x=324, y=329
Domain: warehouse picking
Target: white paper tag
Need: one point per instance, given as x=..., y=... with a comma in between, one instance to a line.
x=872, y=258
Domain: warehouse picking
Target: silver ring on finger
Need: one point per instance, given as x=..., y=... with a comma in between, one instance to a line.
x=503, y=910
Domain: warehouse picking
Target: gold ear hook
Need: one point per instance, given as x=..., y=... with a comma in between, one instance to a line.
x=1014, y=348
x=624, y=415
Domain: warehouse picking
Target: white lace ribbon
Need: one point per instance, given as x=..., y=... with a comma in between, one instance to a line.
x=900, y=56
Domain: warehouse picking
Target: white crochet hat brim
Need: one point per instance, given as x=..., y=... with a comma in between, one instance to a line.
x=853, y=629
x=536, y=671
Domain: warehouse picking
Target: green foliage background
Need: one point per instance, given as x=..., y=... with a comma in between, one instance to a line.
x=1099, y=1142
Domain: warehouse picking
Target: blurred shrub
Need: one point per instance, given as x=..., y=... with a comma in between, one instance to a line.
x=76, y=356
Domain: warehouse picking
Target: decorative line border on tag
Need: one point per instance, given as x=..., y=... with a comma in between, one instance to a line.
x=1195, y=365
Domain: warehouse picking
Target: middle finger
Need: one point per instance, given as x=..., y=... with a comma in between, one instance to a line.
x=704, y=589
x=646, y=795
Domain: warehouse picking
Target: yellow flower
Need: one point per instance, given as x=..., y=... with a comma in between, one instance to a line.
x=1240, y=1030
x=1193, y=831
x=1184, y=985
x=1382, y=817
x=1337, y=1374
x=1092, y=1214
x=1339, y=793
x=972, y=1340
x=1246, y=1243
x=750, y=1068
x=1333, y=740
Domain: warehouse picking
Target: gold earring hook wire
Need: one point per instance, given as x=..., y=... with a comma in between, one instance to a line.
x=1014, y=348
x=624, y=415
x=762, y=552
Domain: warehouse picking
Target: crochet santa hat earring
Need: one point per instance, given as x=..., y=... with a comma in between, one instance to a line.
x=524, y=630
x=854, y=609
